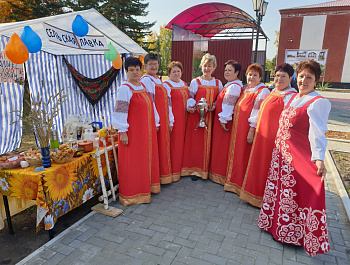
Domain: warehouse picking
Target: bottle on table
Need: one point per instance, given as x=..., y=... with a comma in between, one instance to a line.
x=54, y=143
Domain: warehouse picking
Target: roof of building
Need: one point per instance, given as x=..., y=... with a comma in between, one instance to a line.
x=339, y=3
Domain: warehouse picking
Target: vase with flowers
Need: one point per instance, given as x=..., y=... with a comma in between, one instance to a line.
x=41, y=119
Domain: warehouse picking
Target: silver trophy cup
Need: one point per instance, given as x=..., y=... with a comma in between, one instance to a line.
x=202, y=108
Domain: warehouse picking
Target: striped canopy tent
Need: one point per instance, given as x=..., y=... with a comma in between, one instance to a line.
x=47, y=74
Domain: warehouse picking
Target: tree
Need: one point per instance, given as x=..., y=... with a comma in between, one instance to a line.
x=31, y=9
x=152, y=43
x=165, y=37
x=270, y=65
x=122, y=12
x=277, y=38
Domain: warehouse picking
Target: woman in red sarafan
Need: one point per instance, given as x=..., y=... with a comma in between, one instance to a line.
x=222, y=126
x=293, y=208
x=179, y=95
x=136, y=119
x=162, y=99
x=246, y=110
x=264, y=140
x=197, y=148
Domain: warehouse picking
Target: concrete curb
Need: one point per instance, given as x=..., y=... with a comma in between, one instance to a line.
x=346, y=90
x=56, y=238
x=338, y=140
x=338, y=183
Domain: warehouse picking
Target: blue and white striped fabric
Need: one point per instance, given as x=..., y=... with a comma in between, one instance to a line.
x=43, y=81
x=91, y=66
x=11, y=98
x=47, y=74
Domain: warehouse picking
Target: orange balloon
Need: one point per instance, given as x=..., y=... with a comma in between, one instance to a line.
x=16, y=51
x=141, y=59
x=118, y=63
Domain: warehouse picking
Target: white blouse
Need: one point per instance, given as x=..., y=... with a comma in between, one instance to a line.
x=150, y=83
x=174, y=84
x=120, y=114
x=233, y=91
x=194, y=88
x=259, y=99
x=254, y=120
x=318, y=112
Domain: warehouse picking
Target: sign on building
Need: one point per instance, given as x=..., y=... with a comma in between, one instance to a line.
x=69, y=39
x=294, y=57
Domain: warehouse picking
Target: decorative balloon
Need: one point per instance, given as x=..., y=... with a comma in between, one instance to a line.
x=112, y=54
x=16, y=51
x=118, y=63
x=79, y=26
x=141, y=59
x=31, y=40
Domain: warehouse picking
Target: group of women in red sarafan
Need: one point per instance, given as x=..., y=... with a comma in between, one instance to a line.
x=267, y=147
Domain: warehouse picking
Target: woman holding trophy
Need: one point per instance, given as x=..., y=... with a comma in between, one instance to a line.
x=222, y=127
x=200, y=105
x=246, y=111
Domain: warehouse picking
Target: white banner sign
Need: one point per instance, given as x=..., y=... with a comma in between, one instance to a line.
x=294, y=57
x=69, y=39
x=9, y=71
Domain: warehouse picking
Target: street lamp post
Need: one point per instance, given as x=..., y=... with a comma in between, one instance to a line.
x=259, y=7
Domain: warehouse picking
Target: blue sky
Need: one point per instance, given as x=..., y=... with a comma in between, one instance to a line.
x=163, y=11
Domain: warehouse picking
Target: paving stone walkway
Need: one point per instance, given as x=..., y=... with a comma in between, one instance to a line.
x=190, y=223
x=198, y=223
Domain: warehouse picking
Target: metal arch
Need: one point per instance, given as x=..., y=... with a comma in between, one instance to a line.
x=206, y=31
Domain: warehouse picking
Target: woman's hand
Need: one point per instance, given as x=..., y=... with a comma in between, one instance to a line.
x=250, y=136
x=191, y=109
x=170, y=129
x=223, y=126
x=124, y=139
x=213, y=107
x=321, y=169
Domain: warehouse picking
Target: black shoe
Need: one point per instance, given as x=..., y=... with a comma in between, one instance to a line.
x=194, y=178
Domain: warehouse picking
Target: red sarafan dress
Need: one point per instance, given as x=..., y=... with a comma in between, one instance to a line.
x=260, y=156
x=293, y=208
x=179, y=97
x=221, y=139
x=239, y=149
x=138, y=165
x=197, y=139
x=162, y=101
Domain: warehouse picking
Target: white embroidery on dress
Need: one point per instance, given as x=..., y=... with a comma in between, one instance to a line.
x=294, y=225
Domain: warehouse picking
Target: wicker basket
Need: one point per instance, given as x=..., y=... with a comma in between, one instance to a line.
x=62, y=159
x=34, y=161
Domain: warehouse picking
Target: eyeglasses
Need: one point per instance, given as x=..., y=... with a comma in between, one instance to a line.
x=152, y=64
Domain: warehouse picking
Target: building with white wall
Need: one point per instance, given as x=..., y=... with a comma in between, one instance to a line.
x=324, y=26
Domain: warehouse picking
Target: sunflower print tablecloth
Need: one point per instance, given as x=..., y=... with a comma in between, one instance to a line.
x=57, y=189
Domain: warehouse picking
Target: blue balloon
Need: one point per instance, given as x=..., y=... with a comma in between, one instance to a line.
x=79, y=26
x=31, y=40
